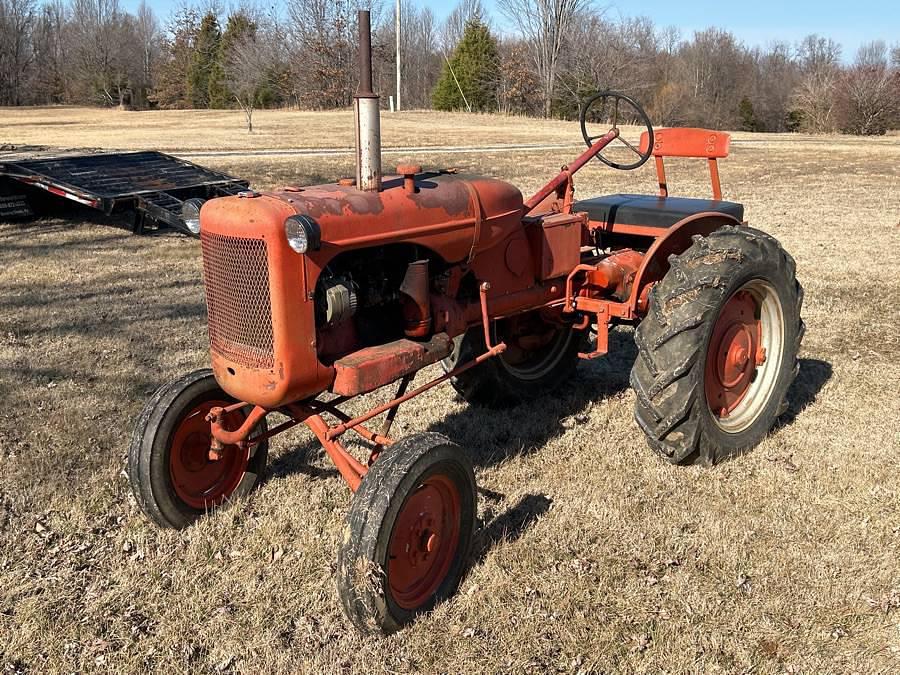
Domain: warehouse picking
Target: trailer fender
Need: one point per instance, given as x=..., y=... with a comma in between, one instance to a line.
x=675, y=240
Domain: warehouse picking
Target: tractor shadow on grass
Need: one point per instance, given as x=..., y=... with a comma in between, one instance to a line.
x=509, y=525
x=813, y=375
x=492, y=436
x=802, y=393
x=307, y=458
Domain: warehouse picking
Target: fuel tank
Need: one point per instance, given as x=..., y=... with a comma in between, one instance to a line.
x=260, y=292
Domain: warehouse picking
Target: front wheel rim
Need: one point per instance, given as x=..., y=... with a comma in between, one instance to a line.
x=744, y=356
x=424, y=542
x=199, y=480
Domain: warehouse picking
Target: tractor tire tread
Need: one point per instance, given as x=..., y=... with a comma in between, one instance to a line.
x=669, y=394
x=360, y=579
x=145, y=440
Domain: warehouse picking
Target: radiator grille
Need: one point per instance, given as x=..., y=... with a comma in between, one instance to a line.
x=236, y=275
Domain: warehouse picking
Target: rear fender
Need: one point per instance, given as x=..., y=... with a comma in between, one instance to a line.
x=676, y=239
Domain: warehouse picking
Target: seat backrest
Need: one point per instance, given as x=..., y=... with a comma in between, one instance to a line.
x=688, y=142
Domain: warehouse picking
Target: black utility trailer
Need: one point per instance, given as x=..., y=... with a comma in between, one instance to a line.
x=149, y=186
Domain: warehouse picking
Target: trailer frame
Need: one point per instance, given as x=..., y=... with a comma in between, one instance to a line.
x=151, y=185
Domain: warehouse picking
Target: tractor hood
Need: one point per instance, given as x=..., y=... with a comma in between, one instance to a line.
x=260, y=291
x=450, y=214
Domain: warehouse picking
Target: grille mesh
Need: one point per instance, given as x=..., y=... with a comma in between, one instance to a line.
x=236, y=276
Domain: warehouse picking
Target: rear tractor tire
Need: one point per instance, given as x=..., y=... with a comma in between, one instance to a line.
x=172, y=475
x=409, y=533
x=718, y=348
x=540, y=358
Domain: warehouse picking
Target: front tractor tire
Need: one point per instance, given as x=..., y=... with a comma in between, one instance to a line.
x=409, y=533
x=540, y=357
x=172, y=474
x=718, y=348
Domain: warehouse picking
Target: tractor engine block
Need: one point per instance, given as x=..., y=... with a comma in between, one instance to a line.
x=360, y=300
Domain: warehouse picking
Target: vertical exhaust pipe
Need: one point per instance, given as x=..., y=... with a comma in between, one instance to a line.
x=367, y=115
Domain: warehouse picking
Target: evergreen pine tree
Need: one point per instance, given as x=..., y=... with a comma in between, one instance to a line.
x=205, y=73
x=747, y=115
x=476, y=66
x=793, y=120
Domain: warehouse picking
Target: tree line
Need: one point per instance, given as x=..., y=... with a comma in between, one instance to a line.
x=553, y=55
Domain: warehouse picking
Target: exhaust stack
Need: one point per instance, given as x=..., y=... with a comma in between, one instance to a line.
x=367, y=115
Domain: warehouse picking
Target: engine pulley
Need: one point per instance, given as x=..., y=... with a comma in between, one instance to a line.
x=338, y=300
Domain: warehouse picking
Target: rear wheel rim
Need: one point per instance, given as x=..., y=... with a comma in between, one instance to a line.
x=424, y=542
x=535, y=361
x=744, y=356
x=200, y=481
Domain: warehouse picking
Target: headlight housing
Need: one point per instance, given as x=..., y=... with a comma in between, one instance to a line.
x=303, y=233
x=190, y=214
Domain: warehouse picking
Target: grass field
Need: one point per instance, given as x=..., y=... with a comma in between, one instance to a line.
x=593, y=556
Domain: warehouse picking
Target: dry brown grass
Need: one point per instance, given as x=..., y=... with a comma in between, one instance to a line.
x=186, y=130
x=595, y=556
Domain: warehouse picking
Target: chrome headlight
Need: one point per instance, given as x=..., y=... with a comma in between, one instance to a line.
x=303, y=233
x=190, y=214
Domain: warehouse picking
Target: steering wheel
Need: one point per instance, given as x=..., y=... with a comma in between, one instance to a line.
x=614, y=107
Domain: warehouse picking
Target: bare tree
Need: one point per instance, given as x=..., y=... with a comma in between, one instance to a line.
x=106, y=54
x=815, y=52
x=455, y=23
x=515, y=90
x=774, y=78
x=324, y=33
x=623, y=57
x=544, y=25
x=873, y=53
x=148, y=39
x=17, y=18
x=49, y=78
x=666, y=102
x=814, y=97
x=869, y=93
x=713, y=66
x=420, y=55
x=248, y=71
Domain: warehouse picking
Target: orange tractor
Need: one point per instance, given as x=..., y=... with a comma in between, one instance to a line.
x=318, y=295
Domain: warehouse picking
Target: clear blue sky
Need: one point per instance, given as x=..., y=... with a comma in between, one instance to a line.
x=756, y=22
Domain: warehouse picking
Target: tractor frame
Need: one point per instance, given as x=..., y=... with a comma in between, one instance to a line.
x=583, y=298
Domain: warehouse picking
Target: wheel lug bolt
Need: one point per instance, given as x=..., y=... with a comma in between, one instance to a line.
x=432, y=542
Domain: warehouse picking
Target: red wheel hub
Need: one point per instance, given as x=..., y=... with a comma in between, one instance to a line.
x=735, y=351
x=201, y=480
x=423, y=542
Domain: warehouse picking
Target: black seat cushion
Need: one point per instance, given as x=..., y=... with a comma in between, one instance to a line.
x=650, y=210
